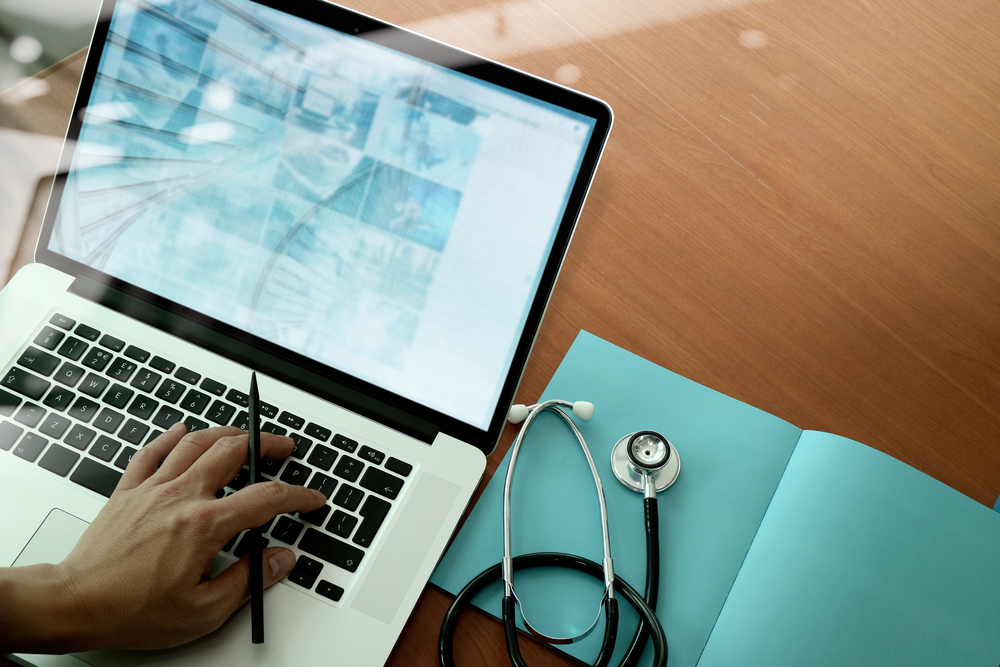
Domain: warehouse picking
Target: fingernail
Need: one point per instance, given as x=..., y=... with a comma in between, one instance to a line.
x=282, y=563
x=319, y=495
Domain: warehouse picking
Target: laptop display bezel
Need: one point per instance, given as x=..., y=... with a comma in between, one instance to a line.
x=327, y=382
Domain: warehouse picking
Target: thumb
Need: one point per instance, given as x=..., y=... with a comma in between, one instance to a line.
x=231, y=588
x=278, y=562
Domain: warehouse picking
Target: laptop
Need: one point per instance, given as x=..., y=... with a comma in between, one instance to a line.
x=370, y=220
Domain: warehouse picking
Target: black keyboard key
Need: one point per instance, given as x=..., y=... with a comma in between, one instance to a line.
x=25, y=383
x=69, y=374
x=153, y=436
x=108, y=420
x=348, y=497
x=342, y=524
x=194, y=424
x=133, y=431
x=246, y=543
x=302, y=446
x=99, y=478
x=242, y=420
x=271, y=427
x=322, y=457
x=142, y=407
x=30, y=414
x=145, y=380
x=59, y=460
x=49, y=338
x=292, y=421
x=73, y=348
x=39, y=361
x=373, y=513
x=125, y=457
x=167, y=417
x=348, y=468
x=187, y=375
x=305, y=572
x=287, y=530
x=54, y=426
x=79, y=436
x=371, y=455
x=220, y=413
x=112, y=343
x=9, y=433
x=170, y=391
x=318, y=432
x=295, y=473
x=83, y=409
x=382, y=483
x=118, y=396
x=213, y=386
x=62, y=321
x=8, y=403
x=94, y=385
x=30, y=447
x=97, y=359
x=241, y=480
x=194, y=401
x=323, y=484
x=88, y=332
x=238, y=397
x=162, y=365
x=398, y=467
x=331, y=550
x=328, y=590
x=59, y=398
x=268, y=410
x=270, y=467
x=345, y=443
x=121, y=369
x=316, y=517
x=105, y=448
x=137, y=353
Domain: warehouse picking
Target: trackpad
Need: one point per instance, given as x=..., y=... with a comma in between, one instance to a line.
x=53, y=540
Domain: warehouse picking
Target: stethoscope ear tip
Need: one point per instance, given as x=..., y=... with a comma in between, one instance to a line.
x=584, y=410
x=517, y=413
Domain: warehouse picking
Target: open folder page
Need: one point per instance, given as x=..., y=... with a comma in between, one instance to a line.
x=774, y=541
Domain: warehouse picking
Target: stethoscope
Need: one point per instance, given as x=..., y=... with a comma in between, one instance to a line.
x=644, y=461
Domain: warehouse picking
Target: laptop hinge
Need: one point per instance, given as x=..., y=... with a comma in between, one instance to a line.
x=263, y=357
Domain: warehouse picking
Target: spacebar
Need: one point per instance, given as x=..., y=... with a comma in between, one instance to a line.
x=96, y=477
x=331, y=550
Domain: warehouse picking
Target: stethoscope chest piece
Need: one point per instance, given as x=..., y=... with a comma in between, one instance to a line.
x=645, y=450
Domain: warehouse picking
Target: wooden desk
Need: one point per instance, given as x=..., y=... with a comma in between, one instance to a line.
x=799, y=206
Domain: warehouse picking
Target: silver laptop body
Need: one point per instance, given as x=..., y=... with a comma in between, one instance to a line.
x=370, y=220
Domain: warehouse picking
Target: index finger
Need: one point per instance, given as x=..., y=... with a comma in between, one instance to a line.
x=256, y=504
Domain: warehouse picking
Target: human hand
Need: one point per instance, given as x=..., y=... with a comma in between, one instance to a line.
x=138, y=577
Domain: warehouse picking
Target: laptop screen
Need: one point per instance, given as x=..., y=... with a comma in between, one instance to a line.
x=382, y=215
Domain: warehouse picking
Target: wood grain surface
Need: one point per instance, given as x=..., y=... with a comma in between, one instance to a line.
x=799, y=206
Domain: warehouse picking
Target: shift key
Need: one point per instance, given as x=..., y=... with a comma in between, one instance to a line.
x=331, y=550
x=25, y=383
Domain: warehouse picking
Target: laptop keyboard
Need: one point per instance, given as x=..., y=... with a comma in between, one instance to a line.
x=80, y=402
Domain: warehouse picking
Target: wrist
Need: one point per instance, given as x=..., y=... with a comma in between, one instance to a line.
x=38, y=612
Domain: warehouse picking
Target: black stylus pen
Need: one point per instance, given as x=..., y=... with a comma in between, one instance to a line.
x=256, y=559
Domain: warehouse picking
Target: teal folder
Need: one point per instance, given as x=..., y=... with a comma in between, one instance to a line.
x=779, y=547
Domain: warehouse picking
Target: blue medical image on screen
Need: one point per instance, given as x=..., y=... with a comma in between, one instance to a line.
x=225, y=129
x=372, y=211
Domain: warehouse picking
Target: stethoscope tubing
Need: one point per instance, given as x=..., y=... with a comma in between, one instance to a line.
x=648, y=623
